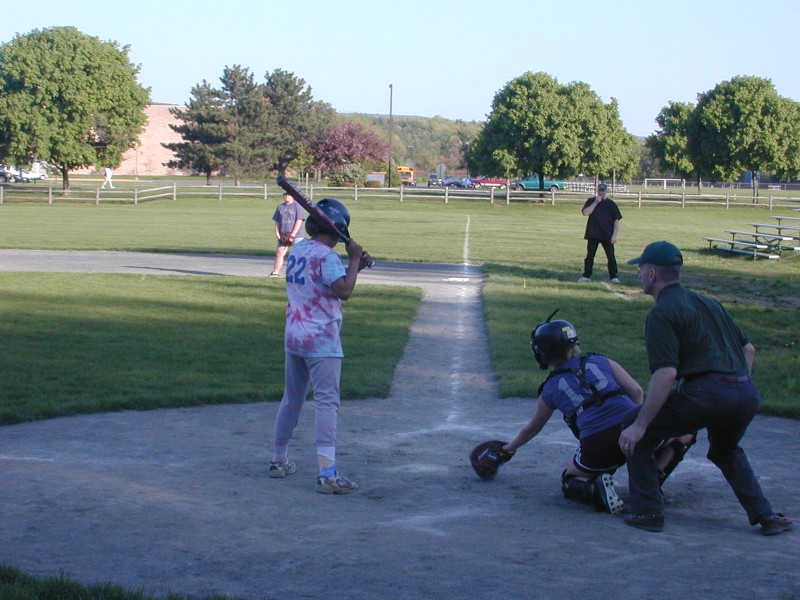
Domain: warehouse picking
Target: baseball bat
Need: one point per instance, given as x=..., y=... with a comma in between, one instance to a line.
x=306, y=203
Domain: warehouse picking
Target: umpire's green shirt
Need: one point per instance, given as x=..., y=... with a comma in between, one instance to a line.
x=694, y=334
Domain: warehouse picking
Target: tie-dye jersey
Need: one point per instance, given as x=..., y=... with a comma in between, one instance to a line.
x=314, y=312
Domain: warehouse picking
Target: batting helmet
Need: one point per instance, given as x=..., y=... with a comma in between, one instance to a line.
x=336, y=211
x=551, y=339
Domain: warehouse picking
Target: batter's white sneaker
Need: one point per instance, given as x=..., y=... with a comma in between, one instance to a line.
x=338, y=484
x=584, y=279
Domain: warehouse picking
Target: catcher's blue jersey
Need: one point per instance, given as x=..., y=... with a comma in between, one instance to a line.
x=565, y=393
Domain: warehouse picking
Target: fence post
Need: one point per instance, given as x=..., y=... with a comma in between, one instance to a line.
x=727, y=200
x=174, y=191
x=770, y=202
x=508, y=195
x=553, y=197
x=311, y=192
x=265, y=191
x=136, y=196
x=640, y=199
x=355, y=192
x=683, y=200
x=401, y=192
x=446, y=194
x=96, y=197
x=220, y=191
x=491, y=195
x=1, y=193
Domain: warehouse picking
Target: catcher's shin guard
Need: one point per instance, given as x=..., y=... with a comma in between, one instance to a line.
x=679, y=450
x=581, y=490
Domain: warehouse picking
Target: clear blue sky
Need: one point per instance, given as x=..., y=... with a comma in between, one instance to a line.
x=445, y=57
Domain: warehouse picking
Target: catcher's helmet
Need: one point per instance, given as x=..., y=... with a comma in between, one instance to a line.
x=550, y=339
x=336, y=212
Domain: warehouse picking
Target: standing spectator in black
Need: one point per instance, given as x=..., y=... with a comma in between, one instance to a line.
x=692, y=339
x=602, y=228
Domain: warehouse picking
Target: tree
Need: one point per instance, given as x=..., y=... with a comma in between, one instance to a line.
x=670, y=145
x=295, y=119
x=246, y=150
x=538, y=126
x=346, y=143
x=604, y=147
x=69, y=99
x=203, y=130
x=742, y=125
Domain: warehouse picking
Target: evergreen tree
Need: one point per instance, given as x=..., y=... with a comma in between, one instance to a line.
x=203, y=130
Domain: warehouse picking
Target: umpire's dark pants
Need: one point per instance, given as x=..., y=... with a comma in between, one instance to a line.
x=591, y=251
x=722, y=404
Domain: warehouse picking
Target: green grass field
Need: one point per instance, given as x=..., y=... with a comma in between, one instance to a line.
x=104, y=342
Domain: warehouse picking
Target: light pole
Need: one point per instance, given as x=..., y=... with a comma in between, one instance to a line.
x=391, y=131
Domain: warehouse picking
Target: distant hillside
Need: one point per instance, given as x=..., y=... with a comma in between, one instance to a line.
x=424, y=142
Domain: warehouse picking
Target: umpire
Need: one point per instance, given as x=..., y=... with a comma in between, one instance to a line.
x=692, y=339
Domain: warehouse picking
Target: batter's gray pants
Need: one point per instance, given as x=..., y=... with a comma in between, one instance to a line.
x=323, y=376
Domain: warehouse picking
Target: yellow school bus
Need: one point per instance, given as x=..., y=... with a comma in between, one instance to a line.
x=406, y=175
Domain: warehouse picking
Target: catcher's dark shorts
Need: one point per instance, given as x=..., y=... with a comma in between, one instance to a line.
x=599, y=452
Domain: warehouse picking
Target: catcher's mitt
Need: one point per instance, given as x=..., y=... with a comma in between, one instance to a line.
x=487, y=457
x=286, y=240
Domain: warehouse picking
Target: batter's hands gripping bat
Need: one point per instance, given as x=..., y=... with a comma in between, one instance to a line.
x=320, y=216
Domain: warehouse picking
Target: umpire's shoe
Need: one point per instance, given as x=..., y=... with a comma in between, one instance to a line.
x=774, y=524
x=649, y=522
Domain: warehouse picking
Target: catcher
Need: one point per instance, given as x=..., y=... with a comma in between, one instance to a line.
x=594, y=394
x=288, y=217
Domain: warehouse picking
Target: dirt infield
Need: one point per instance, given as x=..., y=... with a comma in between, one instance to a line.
x=178, y=500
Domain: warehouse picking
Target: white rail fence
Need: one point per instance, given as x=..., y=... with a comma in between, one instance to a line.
x=575, y=192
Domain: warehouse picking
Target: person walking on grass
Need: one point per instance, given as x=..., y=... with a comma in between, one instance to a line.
x=602, y=228
x=108, y=174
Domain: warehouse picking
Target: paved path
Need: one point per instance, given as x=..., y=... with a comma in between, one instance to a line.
x=178, y=500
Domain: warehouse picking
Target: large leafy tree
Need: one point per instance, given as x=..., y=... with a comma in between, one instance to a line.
x=204, y=131
x=537, y=125
x=670, y=144
x=69, y=99
x=741, y=125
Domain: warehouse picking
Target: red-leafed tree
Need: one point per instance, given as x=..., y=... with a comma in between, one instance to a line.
x=348, y=143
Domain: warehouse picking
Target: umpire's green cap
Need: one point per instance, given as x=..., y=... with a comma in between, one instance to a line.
x=662, y=254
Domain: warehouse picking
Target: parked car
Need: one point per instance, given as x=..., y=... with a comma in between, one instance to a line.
x=532, y=183
x=31, y=175
x=8, y=175
x=450, y=182
x=484, y=181
x=465, y=182
x=434, y=180
x=12, y=175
